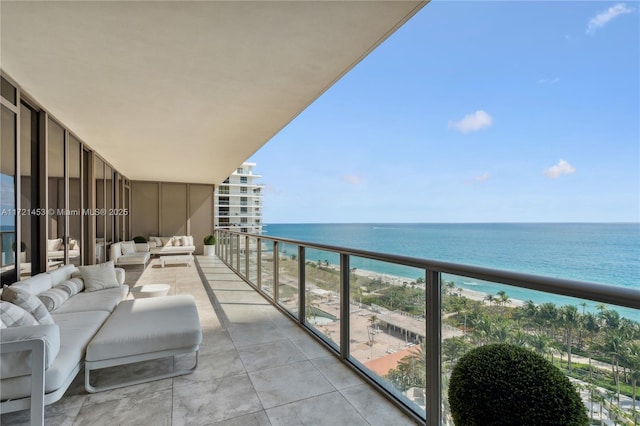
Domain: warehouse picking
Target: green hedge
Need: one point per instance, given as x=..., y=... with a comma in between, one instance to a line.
x=504, y=384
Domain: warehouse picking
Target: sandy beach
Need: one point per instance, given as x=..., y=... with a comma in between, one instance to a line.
x=395, y=280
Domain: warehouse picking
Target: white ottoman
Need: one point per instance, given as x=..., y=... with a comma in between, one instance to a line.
x=142, y=330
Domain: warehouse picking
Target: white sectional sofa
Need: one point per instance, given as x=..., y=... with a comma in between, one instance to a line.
x=178, y=244
x=129, y=253
x=76, y=320
x=55, y=249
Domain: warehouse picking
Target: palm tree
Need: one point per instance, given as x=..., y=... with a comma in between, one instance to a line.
x=453, y=348
x=589, y=323
x=584, y=306
x=501, y=332
x=373, y=321
x=612, y=347
x=449, y=286
x=632, y=361
x=489, y=298
x=540, y=343
x=482, y=329
x=411, y=370
x=570, y=318
x=547, y=318
x=518, y=338
x=503, y=299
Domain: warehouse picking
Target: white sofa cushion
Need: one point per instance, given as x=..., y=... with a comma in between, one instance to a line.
x=142, y=247
x=53, y=298
x=103, y=300
x=19, y=363
x=76, y=330
x=27, y=301
x=73, y=245
x=99, y=277
x=14, y=316
x=128, y=247
x=36, y=284
x=72, y=286
x=61, y=274
x=134, y=259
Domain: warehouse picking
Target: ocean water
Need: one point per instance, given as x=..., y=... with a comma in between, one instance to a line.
x=601, y=253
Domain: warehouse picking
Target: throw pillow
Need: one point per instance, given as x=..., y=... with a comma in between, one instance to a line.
x=177, y=241
x=14, y=316
x=99, y=277
x=72, y=286
x=128, y=248
x=53, y=298
x=29, y=302
x=185, y=241
x=189, y=240
x=54, y=244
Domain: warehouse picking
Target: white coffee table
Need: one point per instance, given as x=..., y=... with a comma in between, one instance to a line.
x=150, y=290
x=176, y=259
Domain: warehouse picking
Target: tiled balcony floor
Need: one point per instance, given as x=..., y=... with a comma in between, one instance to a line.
x=256, y=367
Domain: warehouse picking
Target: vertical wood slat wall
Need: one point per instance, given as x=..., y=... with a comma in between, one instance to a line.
x=169, y=208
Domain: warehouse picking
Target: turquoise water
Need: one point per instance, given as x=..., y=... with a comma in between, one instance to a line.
x=602, y=253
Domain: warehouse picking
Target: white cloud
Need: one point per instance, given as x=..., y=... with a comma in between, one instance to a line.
x=562, y=168
x=603, y=18
x=483, y=177
x=549, y=80
x=472, y=122
x=352, y=179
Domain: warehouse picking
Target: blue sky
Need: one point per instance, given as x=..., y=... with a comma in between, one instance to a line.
x=473, y=112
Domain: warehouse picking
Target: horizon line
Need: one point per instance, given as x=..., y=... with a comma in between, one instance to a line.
x=456, y=223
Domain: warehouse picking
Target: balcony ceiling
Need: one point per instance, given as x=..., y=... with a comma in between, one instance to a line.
x=186, y=91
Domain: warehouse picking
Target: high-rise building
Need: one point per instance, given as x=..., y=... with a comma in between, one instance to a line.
x=238, y=201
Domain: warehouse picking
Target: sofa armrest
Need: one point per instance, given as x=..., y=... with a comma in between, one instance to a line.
x=120, y=275
x=37, y=350
x=115, y=251
x=19, y=362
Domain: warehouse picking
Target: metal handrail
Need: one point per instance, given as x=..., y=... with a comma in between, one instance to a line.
x=603, y=293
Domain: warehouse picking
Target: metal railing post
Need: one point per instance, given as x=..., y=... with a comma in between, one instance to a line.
x=276, y=271
x=238, y=253
x=433, y=343
x=302, y=296
x=344, y=305
x=247, y=275
x=259, y=263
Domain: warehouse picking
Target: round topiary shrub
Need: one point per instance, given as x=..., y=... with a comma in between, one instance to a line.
x=209, y=240
x=504, y=384
x=139, y=240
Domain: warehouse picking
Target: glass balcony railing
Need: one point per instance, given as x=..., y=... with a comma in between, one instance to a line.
x=403, y=323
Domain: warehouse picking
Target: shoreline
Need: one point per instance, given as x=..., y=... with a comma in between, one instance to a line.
x=396, y=280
